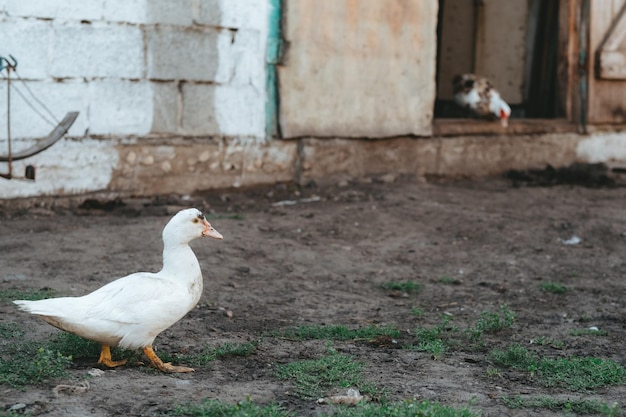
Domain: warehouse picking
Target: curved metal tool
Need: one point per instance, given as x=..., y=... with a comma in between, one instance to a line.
x=10, y=64
x=43, y=144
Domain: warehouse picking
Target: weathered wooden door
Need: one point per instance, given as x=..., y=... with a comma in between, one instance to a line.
x=607, y=72
x=357, y=68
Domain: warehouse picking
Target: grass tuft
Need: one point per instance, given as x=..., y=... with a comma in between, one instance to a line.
x=337, y=333
x=491, y=322
x=574, y=374
x=10, y=331
x=27, y=367
x=433, y=340
x=449, y=281
x=215, y=408
x=438, y=339
x=314, y=378
x=210, y=354
x=568, y=406
x=553, y=287
x=31, y=295
x=413, y=408
x=409, y=287
x=80, y=348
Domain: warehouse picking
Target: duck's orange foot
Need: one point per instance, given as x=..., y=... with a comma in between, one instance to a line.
x=105, y=358
x=156, y=362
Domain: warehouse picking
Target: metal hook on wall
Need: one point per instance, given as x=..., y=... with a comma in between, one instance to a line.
x=6, y=62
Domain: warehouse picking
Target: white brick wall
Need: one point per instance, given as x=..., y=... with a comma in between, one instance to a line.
x=60, y=98
x=29, y=42
x=120, y=107
x=55, y=9
x=96, y=47
x=236, y=14
x=134, y=68
x=177, y=55
x=96, y=50
x=173, y=12
x=235, y=114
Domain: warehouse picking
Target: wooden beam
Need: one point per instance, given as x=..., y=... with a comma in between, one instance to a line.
x=612, y=65
x=612, y=55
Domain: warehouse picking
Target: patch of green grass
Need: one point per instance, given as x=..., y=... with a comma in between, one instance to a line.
x=337, y=333
x=588, y=332
x=209, y=354
x=449, y=281
x=409, y=287
x=25, y=367
x=417, y=312
x=584, y=318
x=24, y=362
x=27, y=363
x=433, y=340
x=436, y=340
x=516, y=357
x=314, y=378
x=491, y=322
x=553, y=287
x=413, y=408
x=77, y=347
x=215, y=408
x=574, y=374
x=10, y=295
x=578, y=406
x=10, y=331
x=492, y=372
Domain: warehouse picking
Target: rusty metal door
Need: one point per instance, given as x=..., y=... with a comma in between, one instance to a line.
x=357, y=68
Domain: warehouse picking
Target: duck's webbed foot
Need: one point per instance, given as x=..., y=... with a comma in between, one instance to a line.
x=156, y=362
x=105, y=358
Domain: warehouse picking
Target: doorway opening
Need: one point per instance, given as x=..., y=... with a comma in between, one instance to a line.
x=513, y=43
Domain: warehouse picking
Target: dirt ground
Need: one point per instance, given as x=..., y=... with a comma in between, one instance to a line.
x=322, y=261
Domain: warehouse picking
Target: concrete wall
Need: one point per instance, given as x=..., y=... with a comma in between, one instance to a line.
x=135, y=70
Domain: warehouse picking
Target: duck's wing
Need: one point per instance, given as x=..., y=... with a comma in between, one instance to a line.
x=112, y=312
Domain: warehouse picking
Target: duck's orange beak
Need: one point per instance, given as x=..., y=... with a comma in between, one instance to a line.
x=209, y=231
x=504, y=119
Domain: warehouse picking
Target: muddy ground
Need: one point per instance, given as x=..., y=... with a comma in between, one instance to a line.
x=322, y=261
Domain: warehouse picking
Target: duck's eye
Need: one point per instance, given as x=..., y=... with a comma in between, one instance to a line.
x=195, y=220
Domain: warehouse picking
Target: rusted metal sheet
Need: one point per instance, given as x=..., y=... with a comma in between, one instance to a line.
x=358, y=68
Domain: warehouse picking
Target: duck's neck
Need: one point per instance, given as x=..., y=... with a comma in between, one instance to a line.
x=180, y=261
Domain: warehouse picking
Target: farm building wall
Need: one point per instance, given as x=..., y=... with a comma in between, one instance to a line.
x=172, y=99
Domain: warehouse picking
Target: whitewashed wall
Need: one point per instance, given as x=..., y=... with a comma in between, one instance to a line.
x=133, y=69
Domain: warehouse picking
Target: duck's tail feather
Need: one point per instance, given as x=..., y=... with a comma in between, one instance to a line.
x=48, y=307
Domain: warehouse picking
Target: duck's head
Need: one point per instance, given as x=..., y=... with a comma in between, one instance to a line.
x=188, y=225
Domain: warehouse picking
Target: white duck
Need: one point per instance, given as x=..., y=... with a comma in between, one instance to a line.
x=131, y=311
x=477, y=93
